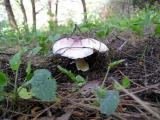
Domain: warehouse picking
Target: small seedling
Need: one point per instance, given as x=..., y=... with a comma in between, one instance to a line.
x=111, y=66
x=125, y=83
x=29, y=63
x=15, y=62
x=79, y=80
x=109, y=99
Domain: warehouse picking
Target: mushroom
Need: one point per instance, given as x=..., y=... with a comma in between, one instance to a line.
x=78, y=48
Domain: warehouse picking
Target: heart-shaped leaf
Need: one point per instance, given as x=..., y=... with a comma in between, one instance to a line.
x=43, y=86
x=109, y=103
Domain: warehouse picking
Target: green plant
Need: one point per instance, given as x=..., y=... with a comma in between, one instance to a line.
x=79, y=80
x=109, y=99
x=40, y=85
x=3, y=82
x=43, y=86
x=15, y=62
x=31, y=54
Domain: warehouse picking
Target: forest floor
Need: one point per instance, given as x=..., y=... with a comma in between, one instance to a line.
x=142, y=66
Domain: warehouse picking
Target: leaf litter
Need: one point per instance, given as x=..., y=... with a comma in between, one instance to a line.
x=141, y=66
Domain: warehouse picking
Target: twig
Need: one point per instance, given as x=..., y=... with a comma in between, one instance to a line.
x=147, y=108
x=120, y=48
x=35, y=118
x=105, y=78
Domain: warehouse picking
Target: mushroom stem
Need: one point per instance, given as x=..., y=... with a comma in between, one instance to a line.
x=82, y=65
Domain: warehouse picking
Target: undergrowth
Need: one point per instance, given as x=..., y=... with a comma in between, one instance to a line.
x=142, y=22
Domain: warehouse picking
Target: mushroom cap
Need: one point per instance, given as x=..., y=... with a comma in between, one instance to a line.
x=78, y=48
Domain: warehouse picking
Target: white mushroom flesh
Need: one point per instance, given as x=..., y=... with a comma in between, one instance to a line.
x=94, y=44
x=71, y=48
x=75, y=49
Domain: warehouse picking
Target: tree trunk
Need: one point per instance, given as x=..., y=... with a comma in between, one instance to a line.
x=56, y=13
x=34, y=16
x=10, y=14
x=84, y=10
x=50, y=10
x=24, y=15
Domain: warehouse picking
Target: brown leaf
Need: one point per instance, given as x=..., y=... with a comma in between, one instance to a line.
x=78, y=114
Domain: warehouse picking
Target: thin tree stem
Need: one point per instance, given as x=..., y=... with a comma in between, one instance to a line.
x=105, y=78
x=15, y=85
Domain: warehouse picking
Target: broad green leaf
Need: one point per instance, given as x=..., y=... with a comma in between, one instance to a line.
x=15, y=61
x=110, y=102
x=116, y=63
x=24, y=94
x=3, y=79
x=126, y=82
x=43, y=86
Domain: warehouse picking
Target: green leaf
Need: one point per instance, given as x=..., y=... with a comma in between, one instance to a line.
x=28, y=70
x=110, y=102
x=100, y=93
x=126, y=82
x=23, y=93
x=75, y=78
x=43, y=86
x=15, y=61
x=80, y=80
x=3, y=79
x=116, y=63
